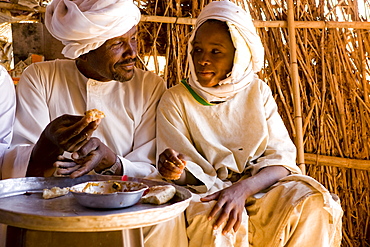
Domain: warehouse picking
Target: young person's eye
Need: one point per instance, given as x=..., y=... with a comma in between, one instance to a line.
x=215, y=51
x=196, y=49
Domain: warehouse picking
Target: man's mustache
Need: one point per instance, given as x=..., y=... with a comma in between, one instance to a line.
x=126, y=61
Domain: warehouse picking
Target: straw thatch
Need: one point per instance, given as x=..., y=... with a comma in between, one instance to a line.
x=317, y=52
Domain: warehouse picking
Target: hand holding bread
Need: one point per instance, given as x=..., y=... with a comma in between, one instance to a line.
x=171, y=164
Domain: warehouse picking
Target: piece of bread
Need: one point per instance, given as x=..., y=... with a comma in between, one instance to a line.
x=159, y=194
x=94, y=114
x=54, y=192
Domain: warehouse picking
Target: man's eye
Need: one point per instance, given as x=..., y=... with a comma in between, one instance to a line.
x=216, y=51
x=117, y=44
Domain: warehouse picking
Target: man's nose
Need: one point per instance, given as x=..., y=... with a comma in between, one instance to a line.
x=131, y=50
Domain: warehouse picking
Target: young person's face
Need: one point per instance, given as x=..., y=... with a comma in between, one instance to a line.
x=213, y=53
x=115, y=59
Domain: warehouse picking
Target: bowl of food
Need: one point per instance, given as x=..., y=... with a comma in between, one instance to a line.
x=108, y=194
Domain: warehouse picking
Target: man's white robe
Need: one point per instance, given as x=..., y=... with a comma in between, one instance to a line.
x=50, y=89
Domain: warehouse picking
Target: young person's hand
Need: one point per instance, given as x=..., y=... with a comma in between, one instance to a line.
x=171, y=164
x=231, y=200
x=230, y=206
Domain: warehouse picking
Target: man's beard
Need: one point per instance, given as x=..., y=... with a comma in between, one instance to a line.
x=124, y=75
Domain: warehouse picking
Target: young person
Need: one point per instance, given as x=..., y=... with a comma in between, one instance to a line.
x=220, y=135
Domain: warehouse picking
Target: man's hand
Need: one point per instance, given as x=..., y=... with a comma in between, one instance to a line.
x=65, y=133
x=70, y=133
x=171, y=164
x=92, y=155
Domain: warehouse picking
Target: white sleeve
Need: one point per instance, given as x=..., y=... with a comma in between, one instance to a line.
x=31, y=118
x=7, y=112
x=140, y=161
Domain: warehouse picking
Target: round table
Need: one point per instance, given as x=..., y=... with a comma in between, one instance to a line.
x=22, y=206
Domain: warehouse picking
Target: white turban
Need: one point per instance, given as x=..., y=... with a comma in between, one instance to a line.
x=249, y=51
x=84, y=25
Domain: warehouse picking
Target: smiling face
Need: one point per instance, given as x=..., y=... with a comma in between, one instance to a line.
x=213, y=52
x=114, y=60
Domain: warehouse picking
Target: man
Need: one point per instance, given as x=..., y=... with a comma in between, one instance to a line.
x=53, y=96
x=100, y=35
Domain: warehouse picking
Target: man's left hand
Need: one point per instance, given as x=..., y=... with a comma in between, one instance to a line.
x=93, y=155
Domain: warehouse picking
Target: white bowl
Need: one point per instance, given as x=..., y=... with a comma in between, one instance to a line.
x=108, y=194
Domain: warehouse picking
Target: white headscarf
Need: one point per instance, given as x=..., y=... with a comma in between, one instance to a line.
x=249, y=52
x=84, y=25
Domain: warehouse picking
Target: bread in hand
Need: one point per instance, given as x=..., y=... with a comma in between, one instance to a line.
x=94, y=114
x=173, y=175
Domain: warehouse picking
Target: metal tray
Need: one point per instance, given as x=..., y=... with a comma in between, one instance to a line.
x=22, y=205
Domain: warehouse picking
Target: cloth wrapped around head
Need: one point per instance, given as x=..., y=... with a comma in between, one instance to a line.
x=84, y=25
x=249, y=51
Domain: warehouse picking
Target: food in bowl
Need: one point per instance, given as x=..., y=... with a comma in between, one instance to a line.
x=108, y=194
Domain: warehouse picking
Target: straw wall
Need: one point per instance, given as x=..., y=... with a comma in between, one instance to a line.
x=333, y=76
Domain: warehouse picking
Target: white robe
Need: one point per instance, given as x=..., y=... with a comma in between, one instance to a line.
x=243, y=135
x=7, y=111
x=50, y=89
x=245, y=132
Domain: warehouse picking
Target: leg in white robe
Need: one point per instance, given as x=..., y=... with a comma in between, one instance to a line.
x=297, y=211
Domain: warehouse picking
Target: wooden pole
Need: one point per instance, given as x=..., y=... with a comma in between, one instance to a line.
x=323, y=160
x=295, y=85
x=263, y=24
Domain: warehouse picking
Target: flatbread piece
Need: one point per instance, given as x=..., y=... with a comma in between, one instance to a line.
x=159, y=194
x=54, y=192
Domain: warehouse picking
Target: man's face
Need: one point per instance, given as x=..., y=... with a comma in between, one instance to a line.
x=115, y=59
